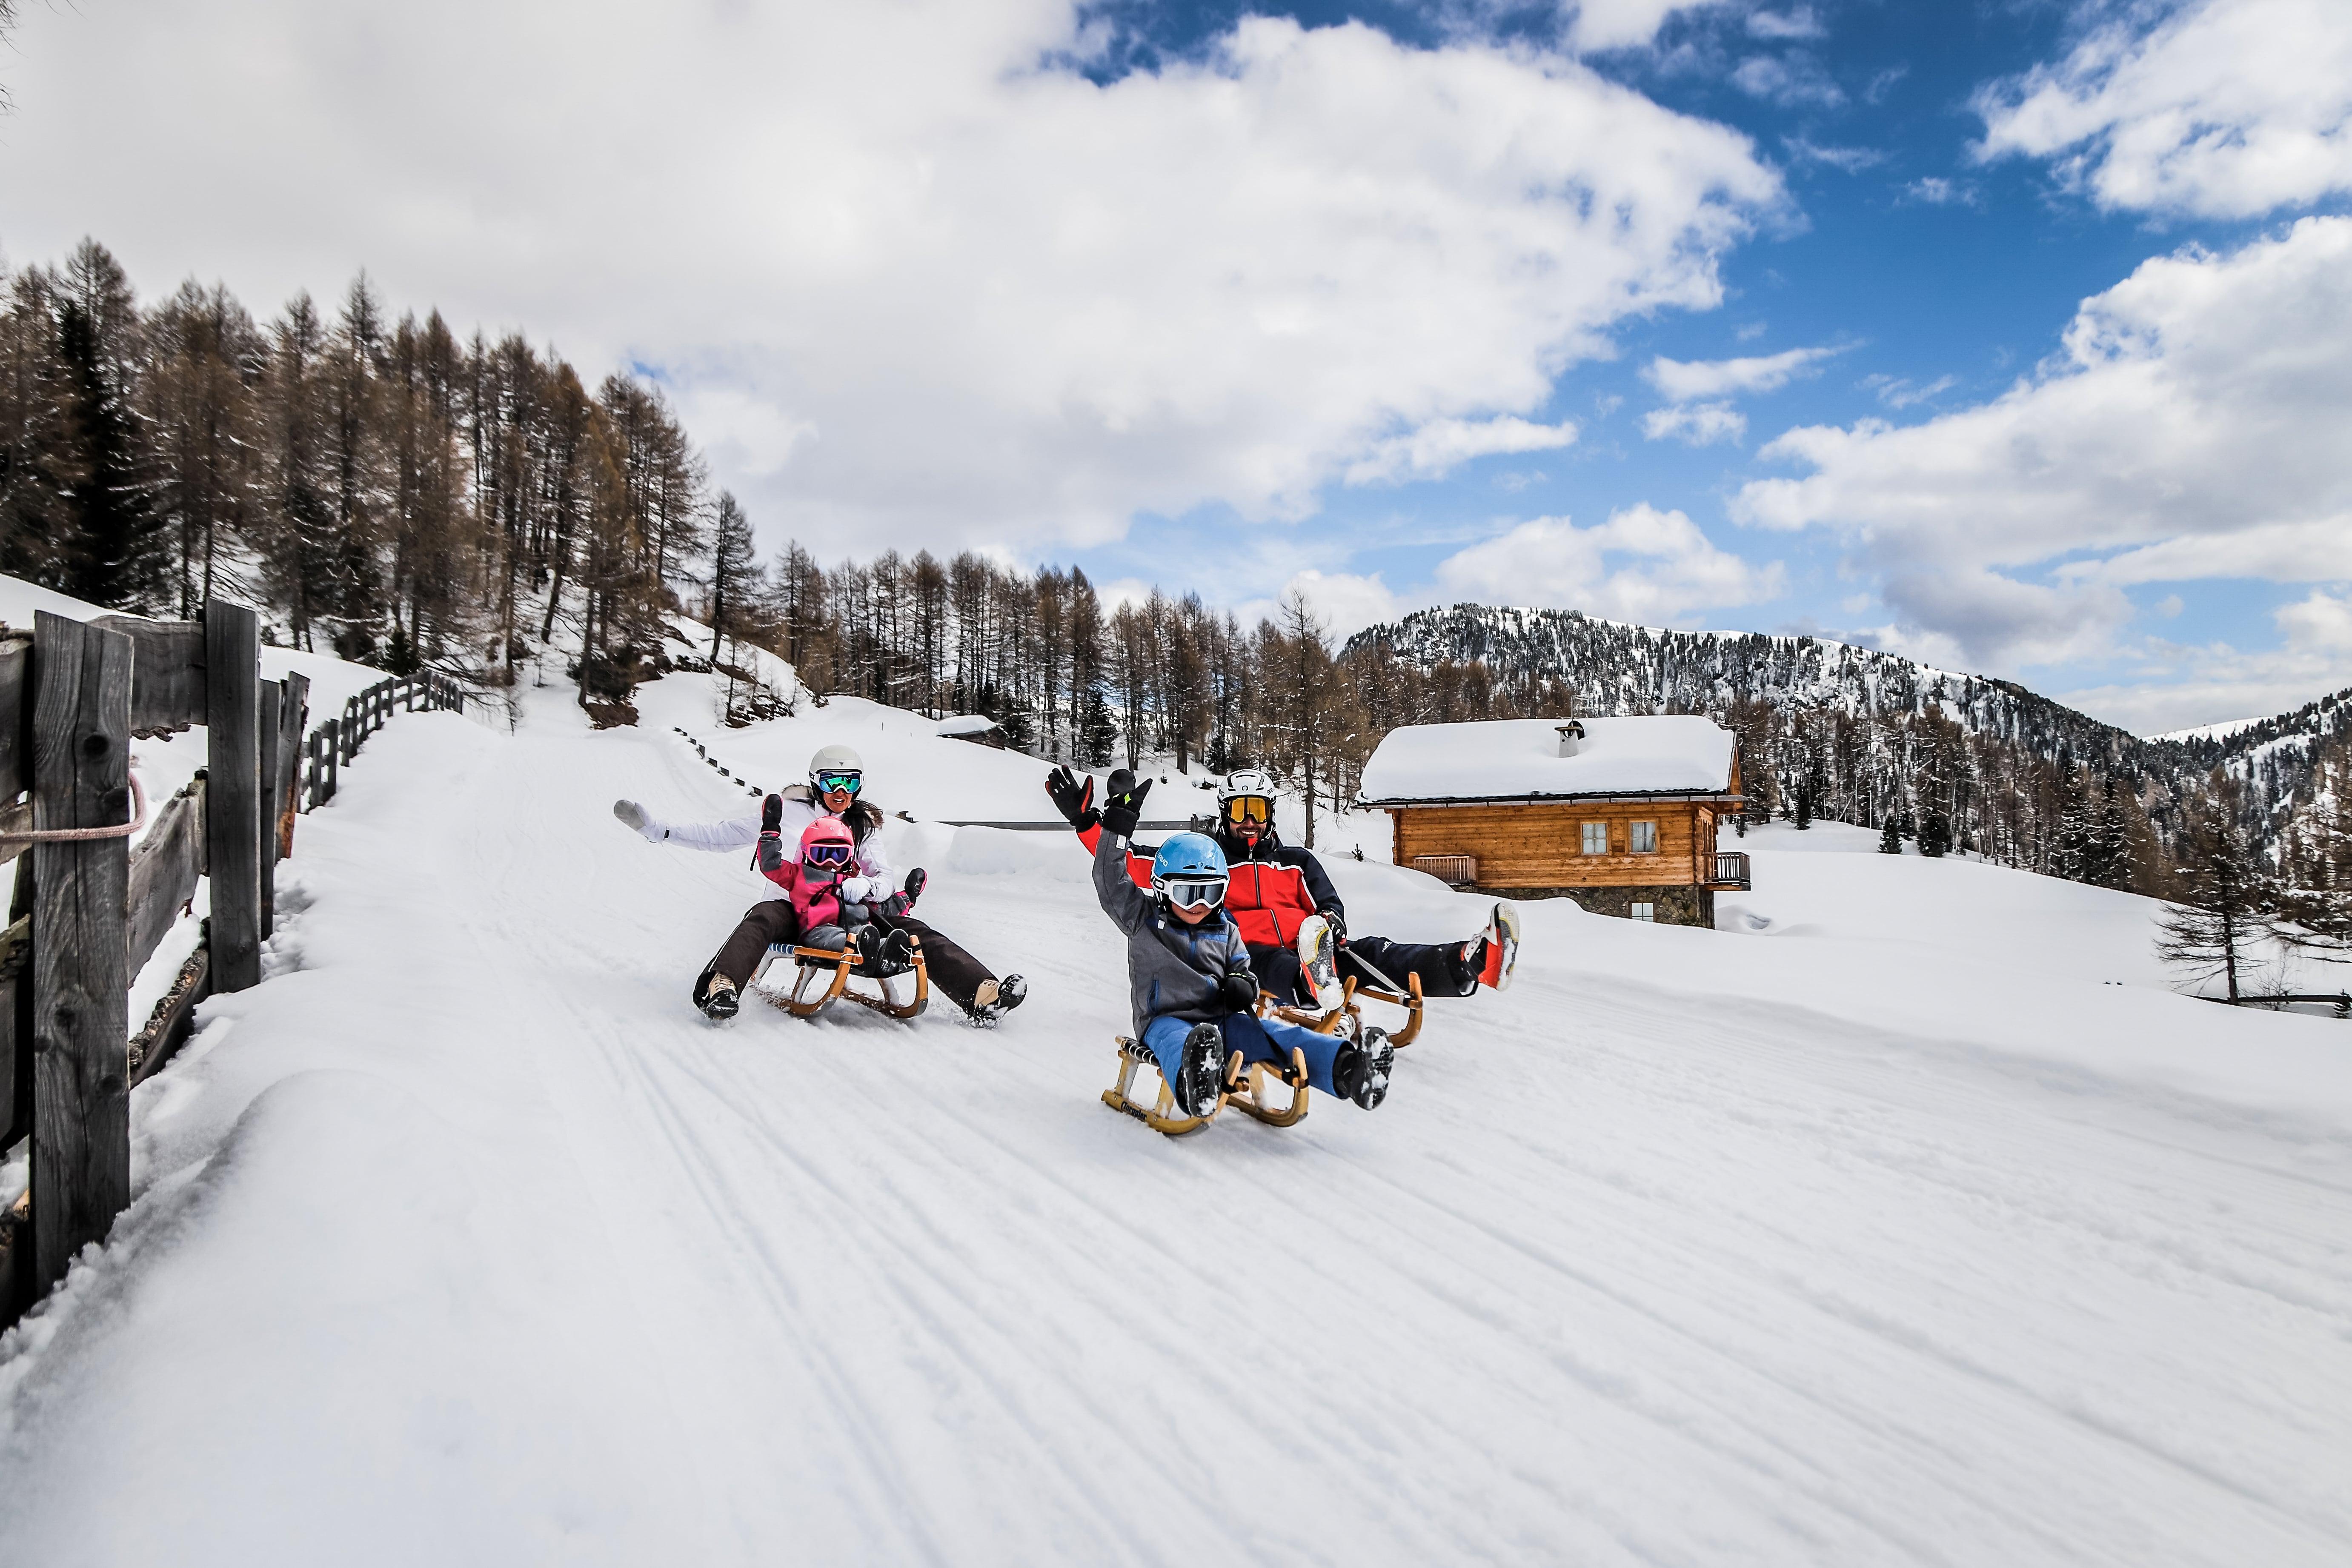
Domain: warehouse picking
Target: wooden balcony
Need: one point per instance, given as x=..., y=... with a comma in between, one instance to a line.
x=1731, y=871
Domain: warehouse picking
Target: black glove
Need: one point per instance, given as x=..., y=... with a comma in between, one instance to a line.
x=1074, y=801
x=899, y=905
x=772, y=815
x=1239, y=990
x=1339, y=924
x=1123, y=805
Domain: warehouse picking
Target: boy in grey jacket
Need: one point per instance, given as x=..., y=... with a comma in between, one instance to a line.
x=1189, y=985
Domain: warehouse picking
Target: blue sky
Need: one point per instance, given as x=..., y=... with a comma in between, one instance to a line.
x=2016, y=337
x=1937, y=277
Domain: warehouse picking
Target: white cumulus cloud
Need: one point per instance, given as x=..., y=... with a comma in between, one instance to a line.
x=1623, y=24
x=2191, y=425
x=1682, y=380
x=2217, y=108
x=1442, y=445
x=1641, y=565
x=1695, y=424
x=932, y=285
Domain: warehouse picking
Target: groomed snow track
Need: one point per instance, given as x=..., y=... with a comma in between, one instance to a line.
x=462, y=1240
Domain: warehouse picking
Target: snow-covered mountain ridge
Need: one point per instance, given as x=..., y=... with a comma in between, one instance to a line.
x=1616, y=667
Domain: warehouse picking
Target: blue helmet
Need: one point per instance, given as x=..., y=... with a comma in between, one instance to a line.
x=1189, y=858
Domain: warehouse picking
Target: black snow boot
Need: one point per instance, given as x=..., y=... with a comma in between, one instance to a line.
x=1361, y=1071
x=1200, y=1077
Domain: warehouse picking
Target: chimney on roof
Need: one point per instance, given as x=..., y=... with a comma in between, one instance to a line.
x=1570, y=733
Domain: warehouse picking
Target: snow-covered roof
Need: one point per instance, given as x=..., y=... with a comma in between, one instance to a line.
x=966, y=724
x=1518, y=759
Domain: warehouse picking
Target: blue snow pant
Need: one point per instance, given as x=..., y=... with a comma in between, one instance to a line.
x=1257, y=1039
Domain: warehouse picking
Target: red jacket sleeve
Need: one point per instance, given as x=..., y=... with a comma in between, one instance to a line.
x=1139, y=866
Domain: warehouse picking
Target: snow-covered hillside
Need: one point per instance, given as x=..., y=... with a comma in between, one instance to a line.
x=1879, y=1228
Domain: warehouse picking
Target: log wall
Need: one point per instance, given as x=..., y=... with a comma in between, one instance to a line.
x=1541, y=846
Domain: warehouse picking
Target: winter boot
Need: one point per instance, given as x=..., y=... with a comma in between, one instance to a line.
x=1361, y=1071
x=719, y=999
x=1319, y=962
x=1493, y=954
x=995, y=998
x=1200, y=1075
x=895, y=952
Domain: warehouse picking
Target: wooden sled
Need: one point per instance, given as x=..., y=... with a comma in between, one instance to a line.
x=1347, y=1020
x=822, y=976
x=1246, y=1091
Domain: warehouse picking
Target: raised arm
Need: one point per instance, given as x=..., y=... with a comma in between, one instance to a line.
x=1121, y=899
x=734, y=832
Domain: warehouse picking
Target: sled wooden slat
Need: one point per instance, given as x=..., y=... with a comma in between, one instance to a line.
x=81, y=1103
x=164, y=871
x=839, y=967
x=167, y=672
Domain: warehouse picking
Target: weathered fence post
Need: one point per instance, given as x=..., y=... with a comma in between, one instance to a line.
x=81, y=1100
x=267, y=700
x=232, y=811
x=294, y=708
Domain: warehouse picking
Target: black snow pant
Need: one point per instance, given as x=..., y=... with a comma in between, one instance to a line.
x=1441, y=974
x=956, y=973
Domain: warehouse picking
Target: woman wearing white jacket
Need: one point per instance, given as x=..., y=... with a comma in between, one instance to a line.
x=837, y=776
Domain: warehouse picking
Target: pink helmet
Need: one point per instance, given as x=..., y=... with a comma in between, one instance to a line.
x=827, y=844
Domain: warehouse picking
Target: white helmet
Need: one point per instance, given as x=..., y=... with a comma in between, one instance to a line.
x=1245, y=781
x=833, y=761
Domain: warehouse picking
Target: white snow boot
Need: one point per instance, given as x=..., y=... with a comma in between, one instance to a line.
x=1496, y=949
x=1319, y=961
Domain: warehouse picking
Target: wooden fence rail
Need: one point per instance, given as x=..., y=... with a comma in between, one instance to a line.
x=88, y=912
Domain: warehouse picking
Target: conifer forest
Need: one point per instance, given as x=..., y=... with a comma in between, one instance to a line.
x=407, y=493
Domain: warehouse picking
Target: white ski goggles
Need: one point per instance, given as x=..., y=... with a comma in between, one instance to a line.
x=1190, y=894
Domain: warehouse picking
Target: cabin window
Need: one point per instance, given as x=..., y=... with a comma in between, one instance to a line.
x=1645, y=838
x=1645, y=912
x=1596, y=838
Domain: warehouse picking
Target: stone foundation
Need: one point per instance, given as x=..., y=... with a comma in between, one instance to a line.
x=1680, y=906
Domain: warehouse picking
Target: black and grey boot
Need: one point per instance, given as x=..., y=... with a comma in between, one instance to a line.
x=1361, y=1071
x=1200, y=1077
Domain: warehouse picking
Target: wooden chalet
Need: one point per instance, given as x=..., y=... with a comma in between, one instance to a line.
x=1618, y=814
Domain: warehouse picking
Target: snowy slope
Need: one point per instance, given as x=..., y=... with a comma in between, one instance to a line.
x=462, y=1240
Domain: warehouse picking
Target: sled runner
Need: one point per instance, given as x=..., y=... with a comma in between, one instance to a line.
x=1347, y=1020
x=821, y=975
x=1246, y=1091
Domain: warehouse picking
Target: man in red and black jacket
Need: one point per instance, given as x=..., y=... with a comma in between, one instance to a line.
x=1273, y=887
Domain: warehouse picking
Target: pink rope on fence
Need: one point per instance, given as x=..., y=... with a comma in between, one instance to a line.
x=68, y=835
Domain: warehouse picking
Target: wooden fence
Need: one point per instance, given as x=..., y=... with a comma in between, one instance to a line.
x=89, y=911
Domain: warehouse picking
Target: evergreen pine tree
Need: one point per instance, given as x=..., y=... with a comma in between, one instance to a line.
x=1890, y=837
x=2225, y=901
x=115, y=553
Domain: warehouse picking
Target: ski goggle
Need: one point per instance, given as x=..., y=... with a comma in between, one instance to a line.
x=826, y=855
x=1196, y=895
x=830, y=783
x=1248, y=809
